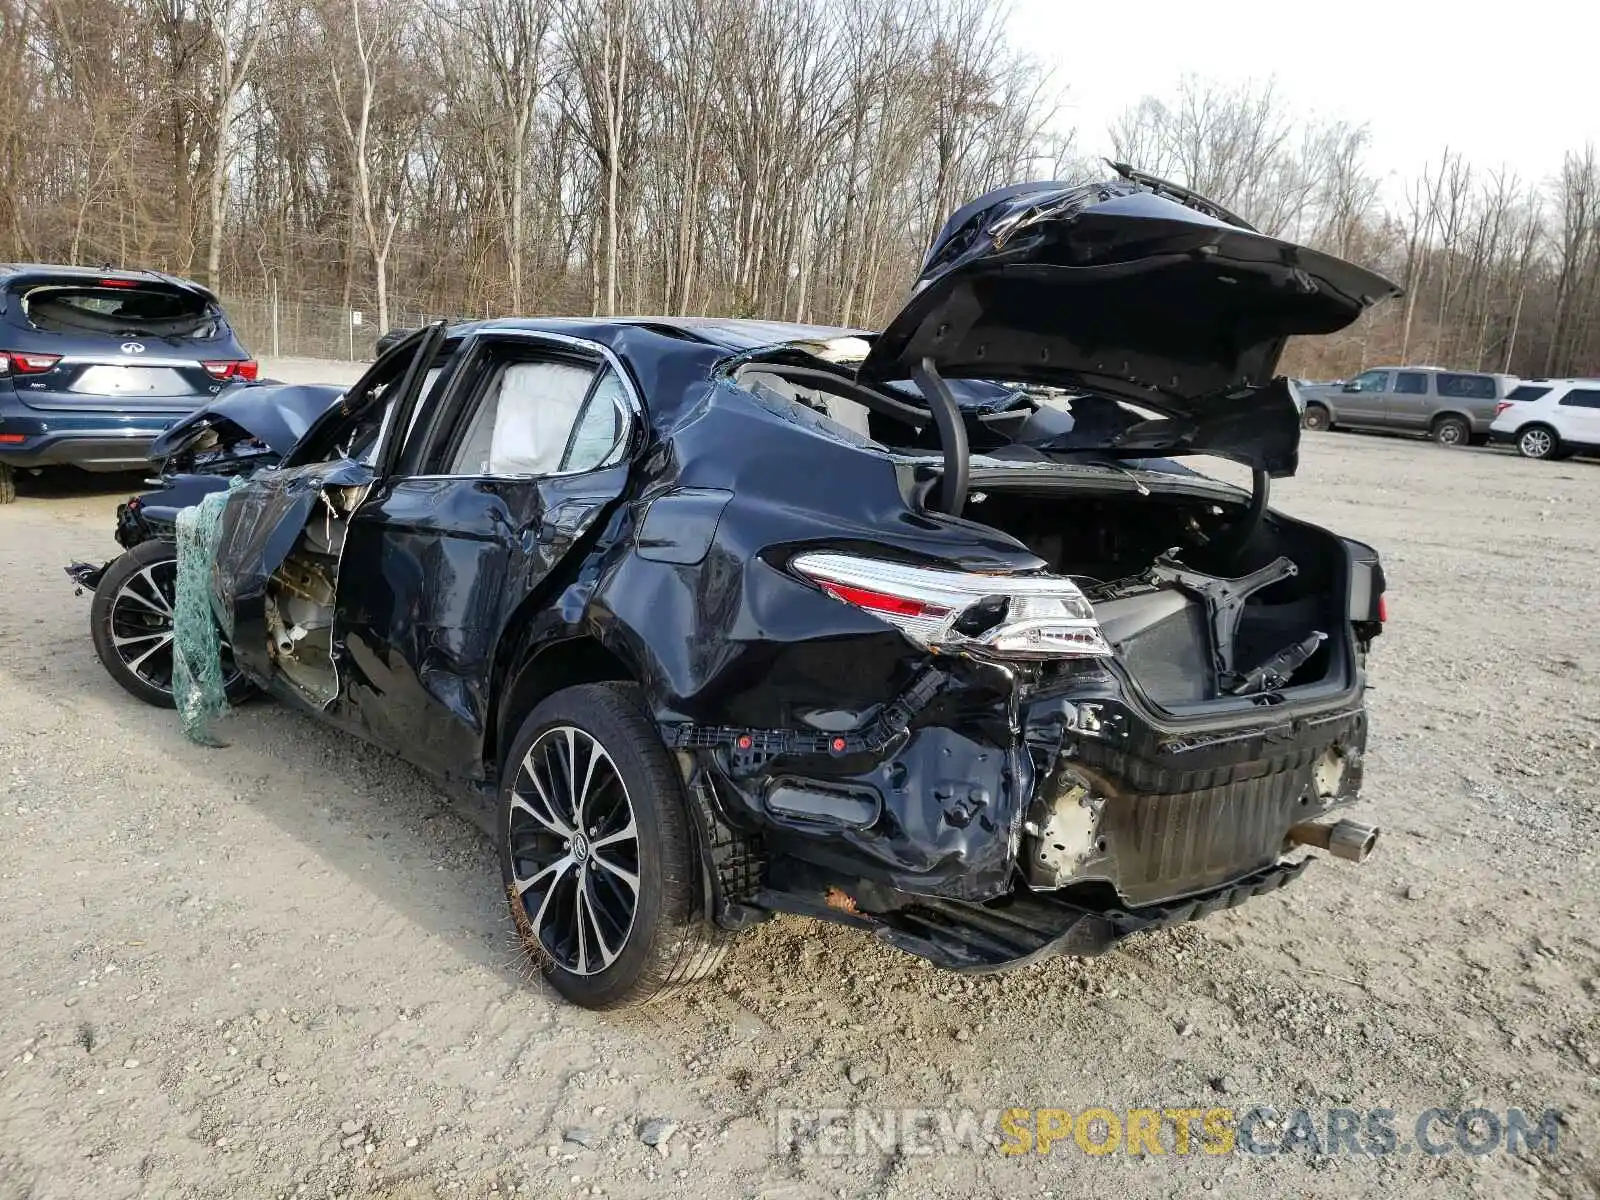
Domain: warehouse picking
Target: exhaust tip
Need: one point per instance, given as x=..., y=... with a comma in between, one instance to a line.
x=1349, y=840
x=1352, y=841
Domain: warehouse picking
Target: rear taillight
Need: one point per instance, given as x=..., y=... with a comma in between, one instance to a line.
x=246, y=369
x=997, y=616
x=1383, y=609
x=1501, y=407
x=16, y=362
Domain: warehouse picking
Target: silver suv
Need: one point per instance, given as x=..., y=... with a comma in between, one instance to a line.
x=1454, y=408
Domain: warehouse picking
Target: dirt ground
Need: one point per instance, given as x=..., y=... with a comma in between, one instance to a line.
x=283, y=968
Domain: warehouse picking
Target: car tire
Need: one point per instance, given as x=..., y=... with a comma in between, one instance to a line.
x=127, y=619
x=1451, y=432
x=1316, y=417
x=8, y=483
x=626, y=943
x=1538, y=441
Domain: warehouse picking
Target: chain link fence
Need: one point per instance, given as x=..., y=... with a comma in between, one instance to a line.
x=274, y=326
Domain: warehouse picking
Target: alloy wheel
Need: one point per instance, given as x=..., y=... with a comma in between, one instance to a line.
x=1536, y=443
x=143, y=625
x=574, y=850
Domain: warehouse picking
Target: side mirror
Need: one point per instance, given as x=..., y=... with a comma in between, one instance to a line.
x=1352, y=386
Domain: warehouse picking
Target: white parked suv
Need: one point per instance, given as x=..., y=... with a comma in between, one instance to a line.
x=1550, y=418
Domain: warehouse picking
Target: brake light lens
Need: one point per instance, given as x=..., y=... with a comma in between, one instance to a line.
x=881, y=602
x=994, y=616
x=1501, y=406
x=1383, y=610
x=246, y=369
x=15, y=362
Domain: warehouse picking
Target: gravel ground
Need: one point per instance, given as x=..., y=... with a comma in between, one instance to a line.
x=283, y=969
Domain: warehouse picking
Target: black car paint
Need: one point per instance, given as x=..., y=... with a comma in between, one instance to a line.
x=457, y=595
x=275, y=415
x=1116, y=289
x=254, y=426
x=462, y=601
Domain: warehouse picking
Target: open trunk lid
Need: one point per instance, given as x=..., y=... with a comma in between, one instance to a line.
x=1123, y=290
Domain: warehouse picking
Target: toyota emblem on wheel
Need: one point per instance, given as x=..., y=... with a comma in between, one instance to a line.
x=132, y=348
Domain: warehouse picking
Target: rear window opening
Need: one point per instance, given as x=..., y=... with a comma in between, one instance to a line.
x=143, y=311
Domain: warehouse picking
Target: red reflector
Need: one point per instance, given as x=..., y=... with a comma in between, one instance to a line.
x=1383, y=608
x=838, y=745
x=880, y=601
x=11, y=439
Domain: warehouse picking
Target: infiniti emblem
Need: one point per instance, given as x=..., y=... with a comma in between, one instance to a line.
x=132, y=348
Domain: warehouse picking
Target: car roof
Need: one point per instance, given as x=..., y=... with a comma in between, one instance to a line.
x=728, y=333
x=1446, y=371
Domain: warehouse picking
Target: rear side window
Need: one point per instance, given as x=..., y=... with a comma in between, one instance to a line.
x=1466, y=387
x=142, y=311
x=1411, y=383
x=1582, y=398
x=1527, y=391
x=543, y=417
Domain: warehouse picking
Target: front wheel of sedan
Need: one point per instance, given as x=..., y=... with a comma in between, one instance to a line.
x=597, y=854
x=133, y=622
x=1536, y=441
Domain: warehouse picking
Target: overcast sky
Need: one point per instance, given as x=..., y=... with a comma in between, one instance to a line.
x=1517, y=84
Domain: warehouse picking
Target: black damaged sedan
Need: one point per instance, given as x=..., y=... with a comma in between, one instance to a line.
x=928, y=632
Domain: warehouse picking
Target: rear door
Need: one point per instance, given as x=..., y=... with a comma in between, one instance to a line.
x=1471, y=394
x=82, y=344
x=1406, y=403
x=1578, y=416
x=508, y=477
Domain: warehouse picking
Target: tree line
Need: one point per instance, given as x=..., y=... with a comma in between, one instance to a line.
x=777, y=158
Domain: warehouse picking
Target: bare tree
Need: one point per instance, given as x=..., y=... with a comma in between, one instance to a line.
x=760, y=157
x=376, y=37
x=231, y=23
